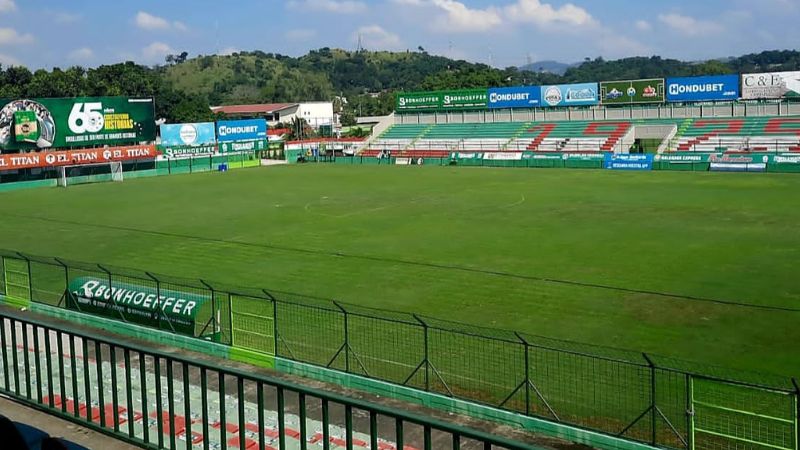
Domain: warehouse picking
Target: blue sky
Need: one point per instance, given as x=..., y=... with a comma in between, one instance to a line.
x=40, y=33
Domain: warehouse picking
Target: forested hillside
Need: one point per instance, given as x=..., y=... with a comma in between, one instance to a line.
x=184, y=87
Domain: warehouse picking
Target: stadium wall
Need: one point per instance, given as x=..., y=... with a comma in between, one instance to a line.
x=372, y=386
x=669, y=111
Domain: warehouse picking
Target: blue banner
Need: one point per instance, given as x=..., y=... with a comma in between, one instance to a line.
x=241, y=130
x=515, y=97
x=188, y=134
x=570, y=94
x=629, y=161
x=698, y=89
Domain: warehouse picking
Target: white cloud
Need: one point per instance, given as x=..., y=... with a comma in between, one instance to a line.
x=300, y=34
x=81, y=54
x=228, y=51
x=643, y=25
x=10, y=36
x=7, y=6
x=460, y=18
x=157, y=50
x=147, y=21
x=689, y=26
x=8, y=60
x=544, y=14
x=376, y=38
x=333, y=6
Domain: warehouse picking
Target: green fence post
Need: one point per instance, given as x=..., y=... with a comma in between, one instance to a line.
x=119, y=311
x=158, y=294
x=527, y=377
x=66, y=272
x=652, y=398
x=274, y=321
x=689, y=414
x=425, y=361
x=30, y=276
x=214, y=315
x=346, y=338
x=796, y=412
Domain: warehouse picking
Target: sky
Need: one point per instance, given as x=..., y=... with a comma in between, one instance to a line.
x=46, y=34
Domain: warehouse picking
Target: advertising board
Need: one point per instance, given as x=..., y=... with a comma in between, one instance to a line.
x=241, y=130
x=515, y=97
x=770, y=85
x=29, y=124
x=700, y=89
x=632, y=91
x=581, y=94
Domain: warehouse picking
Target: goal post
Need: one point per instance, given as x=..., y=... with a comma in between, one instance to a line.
x=90, y=173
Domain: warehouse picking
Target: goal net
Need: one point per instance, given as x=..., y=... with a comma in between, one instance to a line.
x=89, y=173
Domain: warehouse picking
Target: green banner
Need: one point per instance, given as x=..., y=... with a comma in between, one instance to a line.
x=597, y=156
x=418, y=101
x=164, y=309
x=245, y=146
x=75, y=122
x=632, y=91
x=188, y=151
x=465, y=99
x=536, y=155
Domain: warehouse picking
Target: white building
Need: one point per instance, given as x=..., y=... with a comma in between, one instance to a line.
x=316, y=114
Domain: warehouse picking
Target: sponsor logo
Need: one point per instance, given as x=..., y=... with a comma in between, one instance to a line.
x=495, y=97
x=188, y=134
x=631, y=91
x=226, y=130
x=553, y=96
x=614, y=93
x=678, y=89
x=575, y=95
x=649, y=92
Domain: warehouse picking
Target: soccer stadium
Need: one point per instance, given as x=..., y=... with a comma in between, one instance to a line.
x=597, y=263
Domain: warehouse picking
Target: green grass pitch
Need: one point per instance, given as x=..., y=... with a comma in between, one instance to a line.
x=477, y=245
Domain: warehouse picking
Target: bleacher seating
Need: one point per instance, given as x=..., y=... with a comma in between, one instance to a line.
x=577, y=136
x=739, y=134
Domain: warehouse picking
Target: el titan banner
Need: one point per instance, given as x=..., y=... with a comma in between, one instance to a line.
x=28, y=124
x=632, y=91
x=770, y=85
x=17, y=161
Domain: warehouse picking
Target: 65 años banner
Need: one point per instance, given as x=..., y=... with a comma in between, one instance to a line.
x=74, y=157
x=27, y=124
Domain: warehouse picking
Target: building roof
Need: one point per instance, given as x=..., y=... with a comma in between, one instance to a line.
x=266, y=108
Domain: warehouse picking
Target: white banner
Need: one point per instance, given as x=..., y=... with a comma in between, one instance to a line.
x=770, y=85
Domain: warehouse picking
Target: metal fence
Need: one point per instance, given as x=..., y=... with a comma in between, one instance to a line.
x=159, y=400
x=645, y=398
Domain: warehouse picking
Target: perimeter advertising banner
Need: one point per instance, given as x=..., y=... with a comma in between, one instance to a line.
x=628, y=161
x=465, y=99
x=418, y=101
x=570, y=94
x=188, y=134
x=241, y=130
x=632, y=91
x=28, y=124
x=165, y=309
x=243, y=147
x=515, y=97
x=770, y=85
x=187, y=140
x=701, y=89
x=16, y=161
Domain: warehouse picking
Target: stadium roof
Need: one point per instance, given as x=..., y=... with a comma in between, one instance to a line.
x=265, y=108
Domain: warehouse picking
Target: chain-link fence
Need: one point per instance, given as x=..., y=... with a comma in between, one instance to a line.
x=655, y=400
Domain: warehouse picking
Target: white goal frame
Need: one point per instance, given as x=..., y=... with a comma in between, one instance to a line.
x=115, y=172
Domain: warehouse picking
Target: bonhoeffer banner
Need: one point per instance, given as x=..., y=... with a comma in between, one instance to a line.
x=570, y=94
x=465, y=99
x=75, y=122
x=188, y=134
x=241, y=130
x=770, y=85
x=515, y=97
x=699, y=89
